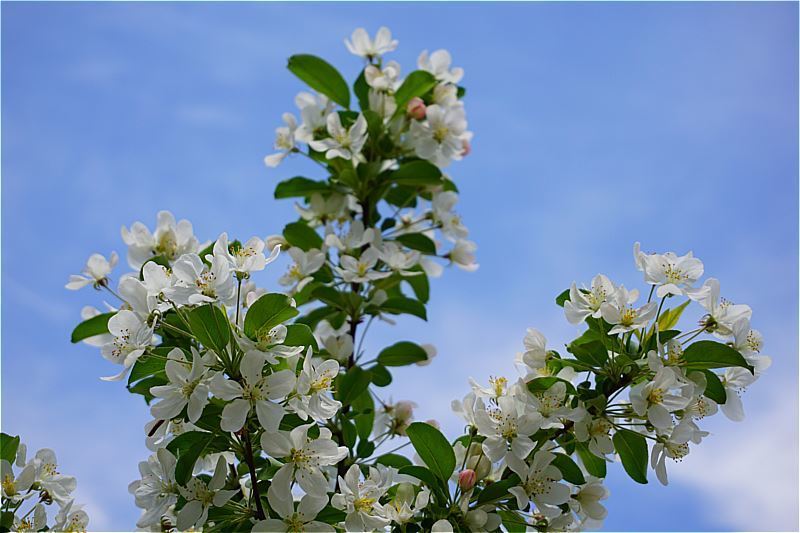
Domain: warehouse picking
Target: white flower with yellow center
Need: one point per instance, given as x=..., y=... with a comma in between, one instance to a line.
x=619, y=311
x=15, y=487
x=255, y=391
x=361, y=269
x=345, y=143
x=722, y=314
x=586, y=502
x=132, y=336
x=667, y=392
x=315, y=388
x=285, y=141
x=305, y=457
x=674, y=445
x=305, y=264
x=360, y=499
x=157, y=490
x=57, y=485
x=672, y=274
x=246, y=258
x=281, y=501
x=362, y=45
x=583, y=303
x=198, y=283
x=597, y=432
x=438, y=64
x=170, y=240
x=440, y=137
x=95, y=272
x=506, y=424
x=539, y=483
x=551, y=404
x=187, y=386
x=71, y=519
x=268, y=344
x=314, y=108
x=442, y=206
x=463, y=255
x=200, y=496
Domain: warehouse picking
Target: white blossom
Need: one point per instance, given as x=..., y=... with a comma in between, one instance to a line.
x=95, y=272
x=360, y=43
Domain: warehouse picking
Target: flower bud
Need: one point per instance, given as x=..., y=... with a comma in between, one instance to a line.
x=405, y=494
x=434, y=423
x=467, y=479
x=416, y=108
x=466, y=148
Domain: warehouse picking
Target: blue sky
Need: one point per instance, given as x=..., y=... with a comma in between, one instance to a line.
x=596, y=125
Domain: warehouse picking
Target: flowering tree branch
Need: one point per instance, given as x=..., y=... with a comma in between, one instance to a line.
x=267, y=414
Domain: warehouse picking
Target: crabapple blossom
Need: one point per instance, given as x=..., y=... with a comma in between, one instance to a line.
x=95, y=272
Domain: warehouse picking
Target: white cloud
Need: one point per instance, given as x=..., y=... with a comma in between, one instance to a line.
x=748, y=471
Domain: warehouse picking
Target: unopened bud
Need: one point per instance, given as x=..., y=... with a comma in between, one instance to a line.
x=466, y=148
x=467, y=479
x=434, y=423
x=416, y=108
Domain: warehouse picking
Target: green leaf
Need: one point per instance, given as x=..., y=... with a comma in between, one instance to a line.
x=211, y=327
x=361, y=90
x=632, y=450
x=704, y=355
x=596, y=466
x=514, y=522
x=419, y=242
x=570, y=470
x=143, y=386
x=401, y=354
x=417, y=173
x=349, y=386
x=8, y=447
x=498, y=490
x=563, y=297
x=331, y=515
x=420, y=285
x=417, y=83
x=147, y=365
x=321, y=76
x=433, y=448
x=714, y=388
x=593, y=353
x=302, y=235
x=189, y=447
x=669, y=318
x=300, y=187
x=380, y=376
x=97, y=325
x=364, y=407
x=400, y=304
x=421, y=473
x=267, y=312
x=393, y=459
x=544, y=383
x=300, y=335
x=330, y=296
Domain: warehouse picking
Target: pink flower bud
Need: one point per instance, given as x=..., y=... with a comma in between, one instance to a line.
x=466, y=148
x=416, y=108
x=467, y=479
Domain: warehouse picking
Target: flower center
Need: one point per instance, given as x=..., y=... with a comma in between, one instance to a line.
x=656, y=396
x=363, y=504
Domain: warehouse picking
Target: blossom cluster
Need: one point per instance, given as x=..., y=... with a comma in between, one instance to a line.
x=523, y=433
x=36, y=485
x=248, y=407
x=266, y=409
